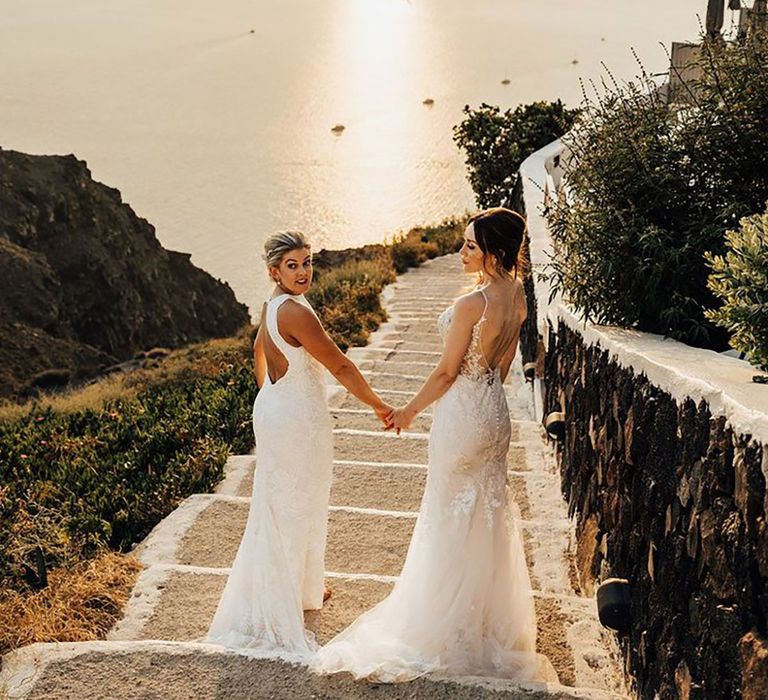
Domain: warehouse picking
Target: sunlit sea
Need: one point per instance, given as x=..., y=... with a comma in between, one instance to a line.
x=214, y=119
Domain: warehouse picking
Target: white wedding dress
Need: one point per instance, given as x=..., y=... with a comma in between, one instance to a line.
x=462, y=604
x=279, y=568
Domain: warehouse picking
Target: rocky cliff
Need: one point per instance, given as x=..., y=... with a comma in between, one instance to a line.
x=85, y=283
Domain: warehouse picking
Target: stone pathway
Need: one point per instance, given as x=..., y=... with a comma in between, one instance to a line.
x=378, y=481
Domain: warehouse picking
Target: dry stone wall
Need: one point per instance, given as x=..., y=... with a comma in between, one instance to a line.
x=670, y=498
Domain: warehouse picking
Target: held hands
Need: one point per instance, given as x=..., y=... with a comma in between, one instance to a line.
x=383, y=413
x=401, y=419
x=394, y=418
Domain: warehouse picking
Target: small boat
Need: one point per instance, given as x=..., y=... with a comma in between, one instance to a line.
x=429, y=101
x=338, y=128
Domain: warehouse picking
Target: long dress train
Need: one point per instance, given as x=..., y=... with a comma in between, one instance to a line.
x=462, y=604
x=279, y=568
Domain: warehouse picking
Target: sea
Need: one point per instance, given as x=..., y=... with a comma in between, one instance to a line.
x=215, y=119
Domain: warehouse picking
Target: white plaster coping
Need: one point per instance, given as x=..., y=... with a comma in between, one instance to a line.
x=147, y=592
x=23, y=667
x=538, y=185
x=236, y=470
x=387, y=435
x=396, y=465
x=367, y=412
x=163, y=541
x=724, y=382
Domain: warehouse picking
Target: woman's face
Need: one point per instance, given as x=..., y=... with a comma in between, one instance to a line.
x=294, y=274
x=471, y=255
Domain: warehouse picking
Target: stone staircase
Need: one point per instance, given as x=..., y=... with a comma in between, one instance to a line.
x=379, y=477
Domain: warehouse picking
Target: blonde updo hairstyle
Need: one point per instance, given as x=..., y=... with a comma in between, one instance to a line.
x=278, y=244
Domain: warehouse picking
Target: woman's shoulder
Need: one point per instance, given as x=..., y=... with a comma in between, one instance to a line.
x=470, y=305
x=518, y=288
x=291, y=305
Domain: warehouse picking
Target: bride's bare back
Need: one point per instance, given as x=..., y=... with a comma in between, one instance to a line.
x=499, y=329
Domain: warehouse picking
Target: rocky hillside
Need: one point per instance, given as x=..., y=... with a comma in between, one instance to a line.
x=84, y=282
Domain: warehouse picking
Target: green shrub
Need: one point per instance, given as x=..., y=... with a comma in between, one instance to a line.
x=447, y=236
x=346, y=299
x=75, y=482
x=651, y=188
x=740, y=281
x=348, y=283
x=497, y=142
x=410, y=251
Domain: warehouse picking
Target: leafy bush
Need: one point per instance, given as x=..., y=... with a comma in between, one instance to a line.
x=346, y=299
x=497, y=142
x=652, y=187
x=346, y=291
x=76, y=482
x=740, y=281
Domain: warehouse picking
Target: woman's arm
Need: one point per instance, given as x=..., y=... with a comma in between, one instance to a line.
x=299, y=325
x=259, y=358
x=467, y=312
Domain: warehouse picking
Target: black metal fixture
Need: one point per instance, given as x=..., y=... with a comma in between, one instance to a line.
x=613, y=604
x=555, y=425
x=529, y=371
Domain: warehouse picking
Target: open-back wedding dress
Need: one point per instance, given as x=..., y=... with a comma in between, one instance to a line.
x=279, y=568
x=462, y=604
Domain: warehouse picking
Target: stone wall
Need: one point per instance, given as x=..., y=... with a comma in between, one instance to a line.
x=668, y=497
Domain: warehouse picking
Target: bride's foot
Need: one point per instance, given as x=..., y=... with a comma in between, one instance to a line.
x=327, y=594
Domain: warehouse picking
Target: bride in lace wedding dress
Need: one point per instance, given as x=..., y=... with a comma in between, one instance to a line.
x=462, y=604
x=279, y=568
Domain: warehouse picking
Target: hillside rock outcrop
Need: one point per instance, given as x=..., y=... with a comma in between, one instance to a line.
x=84, y=282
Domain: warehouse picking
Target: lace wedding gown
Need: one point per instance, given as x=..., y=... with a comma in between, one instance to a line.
x=462, y=604
x=279, y=568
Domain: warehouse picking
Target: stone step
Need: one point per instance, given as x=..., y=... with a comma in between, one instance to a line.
x=374, y=486
x=424, y=338
x=188, y=597
x=387, y=364
x=181, y=670
x=434, y=346
x=359, y=541
x=374, y=448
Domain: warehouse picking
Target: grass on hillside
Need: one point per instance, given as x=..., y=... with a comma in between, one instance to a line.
x=79, y=604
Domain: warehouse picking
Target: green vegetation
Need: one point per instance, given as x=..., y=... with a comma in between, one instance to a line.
x=346, y=291
x=497, y=142
x=652, y=187
x=740, y=281
x=76, y=482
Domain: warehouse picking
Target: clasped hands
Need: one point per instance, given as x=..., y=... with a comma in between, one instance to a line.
x=395, y=418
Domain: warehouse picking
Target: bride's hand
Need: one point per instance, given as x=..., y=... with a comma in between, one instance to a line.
x=402, y=418
x=384, y=414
